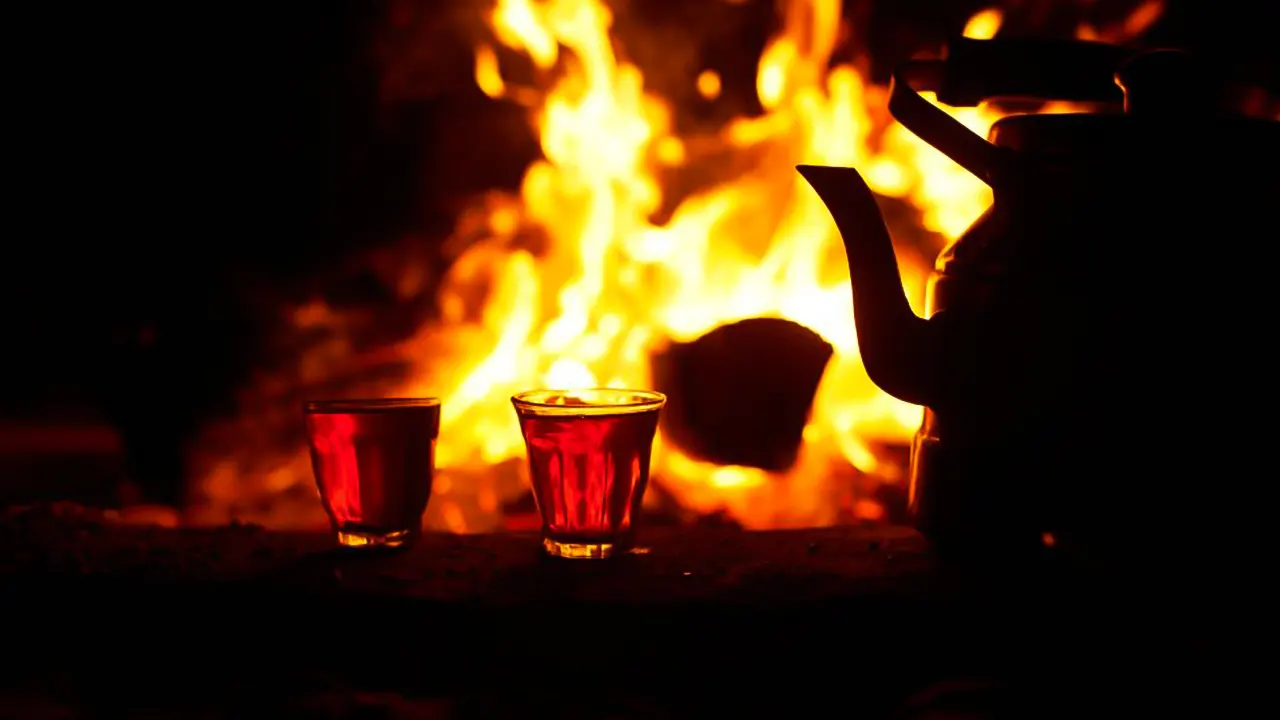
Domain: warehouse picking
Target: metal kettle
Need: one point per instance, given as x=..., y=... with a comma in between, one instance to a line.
x=1089, y=337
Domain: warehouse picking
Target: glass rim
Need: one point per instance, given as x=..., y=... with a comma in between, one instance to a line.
x=595, y=401
x=368, y=404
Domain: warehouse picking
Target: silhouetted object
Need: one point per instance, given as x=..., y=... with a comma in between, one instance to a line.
x=1063, y=341
x=741, y=394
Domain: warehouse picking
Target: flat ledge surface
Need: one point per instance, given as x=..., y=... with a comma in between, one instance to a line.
x=456, y=616
x=238, y=619
x=670, y=564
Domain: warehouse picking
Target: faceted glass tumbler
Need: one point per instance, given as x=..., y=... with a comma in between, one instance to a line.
x=374, y=462
x=589, y=464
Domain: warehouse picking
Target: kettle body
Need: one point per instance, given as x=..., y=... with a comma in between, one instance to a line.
x=1090, y=340
x=1096, y=311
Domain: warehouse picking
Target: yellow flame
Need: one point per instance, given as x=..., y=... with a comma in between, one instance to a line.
x=709, y=84
x=1138, y=21
x=611, y=285
x=488, y=77
x=984, y=24
x=615, y=286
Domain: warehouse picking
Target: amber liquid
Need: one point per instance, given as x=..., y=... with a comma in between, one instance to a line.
x=589, y=473
x=374, y=469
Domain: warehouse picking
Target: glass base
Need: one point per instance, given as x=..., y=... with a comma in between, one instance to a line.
x=367, y=540
x=582, y=551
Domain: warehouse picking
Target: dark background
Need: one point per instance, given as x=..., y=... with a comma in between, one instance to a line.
x=179, y=172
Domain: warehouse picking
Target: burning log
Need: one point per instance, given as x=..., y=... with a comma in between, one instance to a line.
x=741, y=394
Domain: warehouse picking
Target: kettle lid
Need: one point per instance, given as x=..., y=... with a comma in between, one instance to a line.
x=1169, y=96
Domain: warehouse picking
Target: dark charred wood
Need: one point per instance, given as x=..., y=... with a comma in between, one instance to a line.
x=740, y=395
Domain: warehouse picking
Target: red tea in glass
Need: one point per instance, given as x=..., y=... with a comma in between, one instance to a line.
x=589, y=463
x=374, y=461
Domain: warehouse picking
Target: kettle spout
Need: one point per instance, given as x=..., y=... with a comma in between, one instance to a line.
x=899, y=348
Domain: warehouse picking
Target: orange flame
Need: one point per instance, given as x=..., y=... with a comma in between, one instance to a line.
x=613, y=285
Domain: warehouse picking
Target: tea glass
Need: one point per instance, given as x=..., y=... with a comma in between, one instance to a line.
x=374, y=462
x=589, y=464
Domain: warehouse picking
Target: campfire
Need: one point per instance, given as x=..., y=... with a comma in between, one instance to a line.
x=635, y=251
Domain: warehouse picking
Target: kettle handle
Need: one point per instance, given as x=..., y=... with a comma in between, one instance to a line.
x=932, y=124
x=977, y=70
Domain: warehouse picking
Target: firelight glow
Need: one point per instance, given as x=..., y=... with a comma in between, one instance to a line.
x=612, y=285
